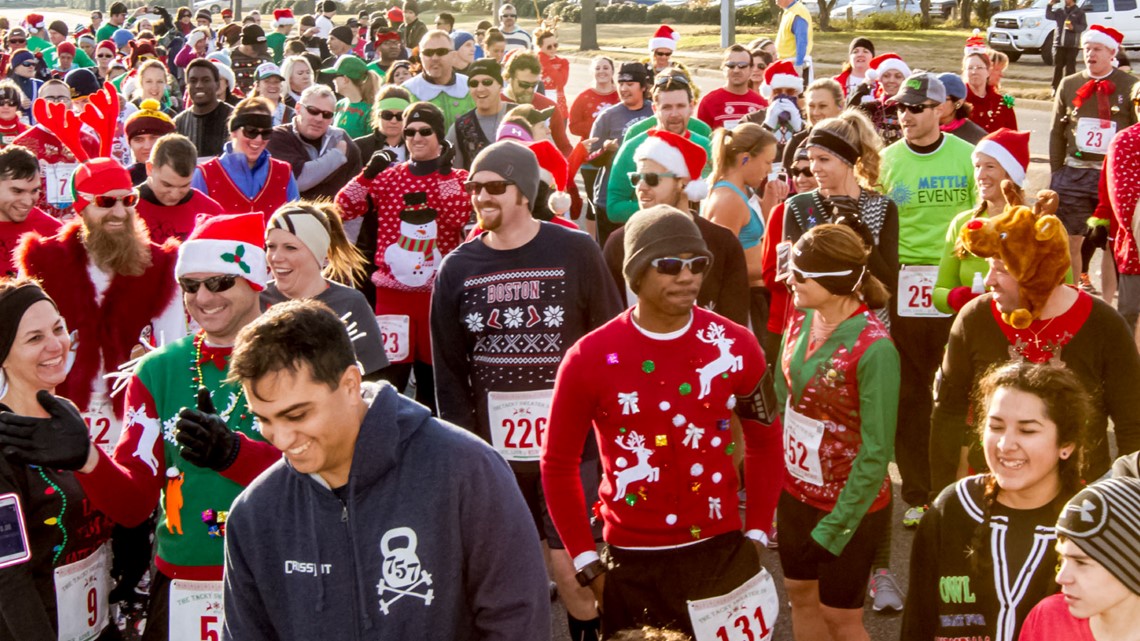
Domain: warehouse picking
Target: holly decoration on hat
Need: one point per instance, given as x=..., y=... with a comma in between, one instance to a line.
x=236, y=258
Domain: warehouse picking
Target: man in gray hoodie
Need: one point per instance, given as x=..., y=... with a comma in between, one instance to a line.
x=380, y=521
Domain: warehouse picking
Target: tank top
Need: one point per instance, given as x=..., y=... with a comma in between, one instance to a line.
x=753, y=230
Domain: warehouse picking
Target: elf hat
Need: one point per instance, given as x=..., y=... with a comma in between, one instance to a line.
x=1103, y=35
x=229, y=244
x=283, y=17
x=680, y=156
x=552, y=168
x=664, y=38
x=887, y=62
x=781, y=75
x=976, y=43
x=1010, y=149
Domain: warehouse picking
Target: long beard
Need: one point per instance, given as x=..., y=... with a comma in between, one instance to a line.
x=125, y=252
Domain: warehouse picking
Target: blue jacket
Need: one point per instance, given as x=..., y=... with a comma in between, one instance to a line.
x=430, y=539
x=248, y=179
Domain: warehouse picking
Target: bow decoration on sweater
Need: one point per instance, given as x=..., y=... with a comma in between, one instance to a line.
x=1103, y=90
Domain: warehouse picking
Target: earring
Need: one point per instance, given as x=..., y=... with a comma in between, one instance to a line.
x=1064, y=455
x=746, y=159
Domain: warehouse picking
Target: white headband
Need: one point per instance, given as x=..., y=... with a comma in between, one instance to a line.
x=305, y=226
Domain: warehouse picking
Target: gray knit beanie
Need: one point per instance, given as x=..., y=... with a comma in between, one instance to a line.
x=658, y=232
x=1104, y=521
x=512, y=161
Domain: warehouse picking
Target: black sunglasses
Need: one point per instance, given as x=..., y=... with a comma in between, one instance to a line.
x=214, y=284
x=663, y=54
x=737, y=65
x=392, y=115
x=435, y=53
x=327, y=115
x=508, y=15
x=412, y=132
x=650, y=178
x=486, y=82
x=914, y=109
x=493, y=187
x=526, y=85
x=9, y=102
x=255, y=132
x=673, y=266
x=796, y=171
x=666, y=78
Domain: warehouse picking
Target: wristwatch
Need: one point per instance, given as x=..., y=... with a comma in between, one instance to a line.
x=593, y=570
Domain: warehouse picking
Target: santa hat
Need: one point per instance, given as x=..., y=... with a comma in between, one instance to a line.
x=283, y=17
x=884, y=63
x=680, y=156
x=97, y=177
x=226, y=74
x=229, y=244
x=976, y=43
x=664, y=38
x=34, y=21
x=1103, y=35
x=781, y=75
x=1011, y=149
x=552, y=168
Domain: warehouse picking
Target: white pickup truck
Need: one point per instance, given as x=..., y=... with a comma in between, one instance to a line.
x=1028, y=31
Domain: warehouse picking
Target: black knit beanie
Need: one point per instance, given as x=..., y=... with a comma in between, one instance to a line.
x=658, y=232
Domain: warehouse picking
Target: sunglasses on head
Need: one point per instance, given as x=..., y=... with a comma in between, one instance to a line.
x=914, y=109
x=214, y=284
x=255, y=132
x=486, y=82
x=435, y=53
x=412, y=132
x=493, y=187
x=737, y=65
x=667, y=78
x=651, y=179
x=391, y=115
x=313, y=111
x=671, y=266
x=106, y=202
x=797, y=171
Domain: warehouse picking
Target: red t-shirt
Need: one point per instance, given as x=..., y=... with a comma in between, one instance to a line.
x=720, y=107
x=1050, y=619
x=177, y=221
x=10, y=233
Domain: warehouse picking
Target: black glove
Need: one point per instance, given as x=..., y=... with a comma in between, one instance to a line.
x=203, y=437
x=1098, y=236
x=59, y=442
x=379, y=161
x=446, y=157
x=864, y=89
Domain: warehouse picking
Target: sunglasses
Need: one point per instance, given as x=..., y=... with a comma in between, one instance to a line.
x=313, y=111
x=486, y=82
x=17, y=41
x=255, y=132
x=493, y=187
x=30, y=63
x=551, y=47
x=214, y=284
x=796, y=171
x=9, y=102
x=412, y=132
x=663, y=54
x=737, y=65
x=802, y=276
x=914, y=109
x=392, y=115
x=104, y=55
x=673, y=266
x=107, y=202
x=665, y=79
x=59, y=100
x=508, y=15
x=435, y=53
x=651, y=179
x=526, y=85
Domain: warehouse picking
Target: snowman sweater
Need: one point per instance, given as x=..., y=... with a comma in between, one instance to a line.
x=407, y=256
x=659, y=405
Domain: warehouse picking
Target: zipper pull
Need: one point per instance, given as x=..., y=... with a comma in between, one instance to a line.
x=344, y=513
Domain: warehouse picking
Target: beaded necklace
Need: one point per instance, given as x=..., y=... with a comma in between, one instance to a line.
x=196, y=366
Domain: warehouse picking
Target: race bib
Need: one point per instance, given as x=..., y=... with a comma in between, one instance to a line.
x=56, y=177
x=748, y=613
x=802, y=436
x=916, y=291
x=196, y=610
x=395, y=329
x=518, y=420
x=102, y=424
x=81, y=590
x=1093, y=137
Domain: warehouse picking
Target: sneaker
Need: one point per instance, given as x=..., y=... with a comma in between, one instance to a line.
x=913, y=515
x=885, y=592
x=1086, y=285
x=773, y=544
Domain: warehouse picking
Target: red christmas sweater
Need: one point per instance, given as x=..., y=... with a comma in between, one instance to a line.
x=586, y=107
x=10, y=233
x=720, y=107
x=557, y=121
x=174, y=222
x=992, y=113
x=56, y=166
x=10, y=130
x=660, y=409
x=408, y=254
x=555, y=75
x=1119, y=194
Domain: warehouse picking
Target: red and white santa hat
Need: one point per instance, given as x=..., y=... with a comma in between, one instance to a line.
x=680, y=157
x=1010, y=148
x=976, y=43
x=552, y=170
x=34, y=21
x=664, y=38
x=231, y=244
x=781, y=74
x=1103, y=35
x=887, y=62
x=283, y=17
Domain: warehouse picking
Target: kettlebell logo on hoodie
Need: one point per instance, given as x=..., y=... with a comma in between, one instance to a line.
x=403, y=575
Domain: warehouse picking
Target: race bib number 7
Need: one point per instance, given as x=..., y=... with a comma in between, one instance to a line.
x=56, y=177
x=748, y=613
x=518, y=421
x=196, y=610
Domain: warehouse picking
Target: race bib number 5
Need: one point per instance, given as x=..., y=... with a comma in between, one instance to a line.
x=196, y=610
x=916, y=291
x=748, y=613
x=518, y=421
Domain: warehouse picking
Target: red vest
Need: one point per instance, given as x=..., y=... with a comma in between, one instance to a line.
x=273, y=193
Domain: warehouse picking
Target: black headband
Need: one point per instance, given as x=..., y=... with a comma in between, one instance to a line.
x=260, y=120
x=808, y=261
x=833, y=144
x=13, y=306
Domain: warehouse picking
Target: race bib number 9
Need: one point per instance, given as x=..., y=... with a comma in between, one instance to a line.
x=196, y=610
x=518, y=421
x=395, y=329
x=1093, y=135
x=916, y=292
x=748, y=613
x=81, y=590
x=802, y=436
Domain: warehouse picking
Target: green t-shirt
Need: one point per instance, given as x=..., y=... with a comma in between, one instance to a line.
x=105, y=32
x=930, y=190
x=695, y=126
x=621, y=197
x=354, y=117
x=81, y=60
x=36, y=43
x=276, y=42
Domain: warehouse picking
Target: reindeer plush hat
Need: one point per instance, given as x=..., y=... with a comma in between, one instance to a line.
x=658, y=232
x=1032, y=243
x=98, y=175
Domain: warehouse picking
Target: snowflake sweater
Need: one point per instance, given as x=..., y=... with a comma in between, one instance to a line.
x=501, y=321
x=408, y=255
x=1119, y=195
x=585, y=109
x=660, y=407
x=128, y=486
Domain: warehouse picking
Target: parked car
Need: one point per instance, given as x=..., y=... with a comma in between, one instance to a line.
x=1028, y=31
x=813, y=6
x=863, y=8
